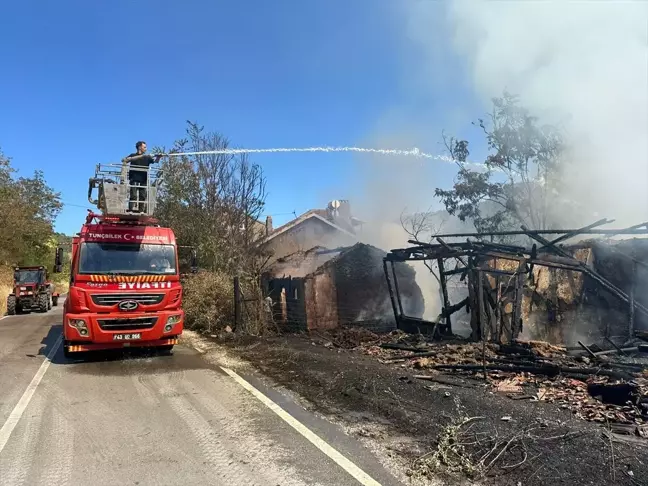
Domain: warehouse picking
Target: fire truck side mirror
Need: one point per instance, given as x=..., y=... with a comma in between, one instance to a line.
x=58, y=260
x=194, y=261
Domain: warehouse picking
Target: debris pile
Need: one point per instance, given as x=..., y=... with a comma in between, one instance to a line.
x=606, y=386
x=354, y=338
x=591, y=400
x=597, y=388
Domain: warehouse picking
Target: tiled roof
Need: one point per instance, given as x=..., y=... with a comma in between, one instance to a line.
x=313, y=213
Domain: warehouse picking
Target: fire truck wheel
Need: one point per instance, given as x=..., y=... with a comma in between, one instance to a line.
x=11, y=305
x=54, y=300
x=42, y=302
x=49, y=302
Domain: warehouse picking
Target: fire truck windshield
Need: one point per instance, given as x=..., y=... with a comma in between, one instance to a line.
x=125, y=259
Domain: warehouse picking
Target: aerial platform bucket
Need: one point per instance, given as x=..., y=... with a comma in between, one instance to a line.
x=116, y=195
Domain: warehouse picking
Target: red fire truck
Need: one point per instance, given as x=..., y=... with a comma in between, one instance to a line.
x=124, y=284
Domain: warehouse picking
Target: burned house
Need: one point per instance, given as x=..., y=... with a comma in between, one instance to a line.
x=324, y=289
x=591, y=291
x=331, y=227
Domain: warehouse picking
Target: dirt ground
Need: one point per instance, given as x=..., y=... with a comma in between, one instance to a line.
x=453, y=430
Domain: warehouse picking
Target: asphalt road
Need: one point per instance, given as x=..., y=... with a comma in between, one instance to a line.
x=156, y=420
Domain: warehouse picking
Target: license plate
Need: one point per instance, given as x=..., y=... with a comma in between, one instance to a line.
x=127, y=337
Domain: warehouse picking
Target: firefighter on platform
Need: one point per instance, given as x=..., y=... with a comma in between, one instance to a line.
x=139, y=164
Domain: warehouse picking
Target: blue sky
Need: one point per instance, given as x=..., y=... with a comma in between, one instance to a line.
x=82, y=81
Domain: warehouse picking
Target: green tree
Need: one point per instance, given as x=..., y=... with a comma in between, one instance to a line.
x=519, y=178
x=29, y=208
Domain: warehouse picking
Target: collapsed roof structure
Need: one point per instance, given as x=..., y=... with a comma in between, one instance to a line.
x=504, y=282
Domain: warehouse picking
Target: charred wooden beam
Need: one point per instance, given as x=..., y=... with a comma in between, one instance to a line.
x=451, y=250
x=571, y=234
x=452, y=308
x=641, y=335
x=444, y=292
x=591, y=273
x=545, y=261
x=631, y=316
x=481, y=304
x=516, y=318
x=398, y=297
x=456, y=271
x=619, y=350
x=605, y=352
x=494, y=271
x=424, y=255
x=631, y=228
x=636, y=230
x=497, y=246
x=391, y=294
x=400, y=347
x=589, y=351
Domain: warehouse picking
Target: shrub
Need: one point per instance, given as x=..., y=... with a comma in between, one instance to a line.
x=6, y=287
x=208, y=301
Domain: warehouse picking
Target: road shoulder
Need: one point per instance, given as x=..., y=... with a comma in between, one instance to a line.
x=332, y=433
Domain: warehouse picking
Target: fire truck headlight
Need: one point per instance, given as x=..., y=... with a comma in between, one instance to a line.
x=171, y=321
x=79, y=325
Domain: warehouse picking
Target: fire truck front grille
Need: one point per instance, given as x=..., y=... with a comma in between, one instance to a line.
x=113, y=299
x=127, y=324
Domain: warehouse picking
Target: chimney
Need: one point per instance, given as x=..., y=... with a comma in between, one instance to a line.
x=344, y=210
x=268, y=225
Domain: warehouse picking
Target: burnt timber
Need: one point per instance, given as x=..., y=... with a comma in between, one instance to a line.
x=491, y=288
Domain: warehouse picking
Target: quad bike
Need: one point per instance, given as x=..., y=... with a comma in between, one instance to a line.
x=32, y=290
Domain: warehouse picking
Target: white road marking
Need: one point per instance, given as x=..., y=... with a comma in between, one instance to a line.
x=361, y=476
x=19, y=409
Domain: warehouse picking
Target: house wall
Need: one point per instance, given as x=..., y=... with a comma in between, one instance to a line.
x=300, y=264
x=362, y=291
x=288, y=309
x=320, y=301
x=563, y=306
x=306, y=235
x=552, y=303
x=347, y=288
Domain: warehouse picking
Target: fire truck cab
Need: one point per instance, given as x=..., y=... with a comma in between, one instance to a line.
x=124, y=287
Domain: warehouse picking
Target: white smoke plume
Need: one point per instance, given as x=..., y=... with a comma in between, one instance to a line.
x=388, y=189
x=584, y=62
